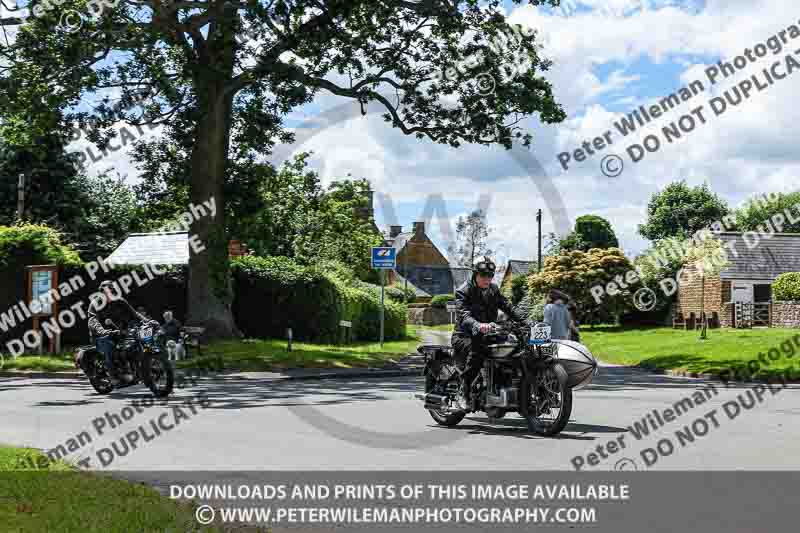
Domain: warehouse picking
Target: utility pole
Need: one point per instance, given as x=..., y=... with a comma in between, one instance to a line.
x=21, y=196
x=539, y=223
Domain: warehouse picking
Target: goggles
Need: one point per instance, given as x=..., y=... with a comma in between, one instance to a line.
x=485, y=266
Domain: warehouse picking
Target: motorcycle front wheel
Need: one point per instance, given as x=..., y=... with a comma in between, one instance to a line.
x=546, y=403
x=159, y=375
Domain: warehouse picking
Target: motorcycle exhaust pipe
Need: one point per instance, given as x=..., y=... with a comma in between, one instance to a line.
x=437, y=401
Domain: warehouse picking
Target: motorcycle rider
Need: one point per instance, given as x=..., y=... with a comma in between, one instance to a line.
x=114, y=307
x=477, y=303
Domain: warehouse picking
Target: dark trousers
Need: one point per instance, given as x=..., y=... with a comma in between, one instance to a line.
x=469, y=354
x=105, y=345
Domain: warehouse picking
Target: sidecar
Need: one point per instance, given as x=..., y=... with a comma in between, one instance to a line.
x=578, y=361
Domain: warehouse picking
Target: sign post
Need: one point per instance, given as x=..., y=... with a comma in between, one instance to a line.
x=451, y=308
x=383, y=258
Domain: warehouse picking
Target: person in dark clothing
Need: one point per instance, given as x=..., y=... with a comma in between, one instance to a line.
x=171, y=326
x=478, y=301
x=114, y=307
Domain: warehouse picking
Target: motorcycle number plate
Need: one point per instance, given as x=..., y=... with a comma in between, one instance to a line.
x=147, y=333
x=540, y=334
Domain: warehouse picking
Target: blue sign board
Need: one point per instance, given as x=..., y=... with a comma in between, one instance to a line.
x=384, y=257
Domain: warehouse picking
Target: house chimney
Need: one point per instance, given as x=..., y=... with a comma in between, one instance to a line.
x=369, y=211
x=419, y=229
x=394, y=231
x=371, y=201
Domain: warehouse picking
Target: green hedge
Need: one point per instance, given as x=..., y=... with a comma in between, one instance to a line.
x=440, y=300
x=363, y=309
x=274, y=293
x=36, y=241
x=787, y=287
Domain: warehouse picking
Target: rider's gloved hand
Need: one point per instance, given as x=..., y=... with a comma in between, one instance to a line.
x=484, y=328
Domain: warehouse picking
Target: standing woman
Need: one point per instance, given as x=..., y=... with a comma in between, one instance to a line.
x=574, y=331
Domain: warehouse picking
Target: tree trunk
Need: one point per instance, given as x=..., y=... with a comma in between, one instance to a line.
x=210, y=291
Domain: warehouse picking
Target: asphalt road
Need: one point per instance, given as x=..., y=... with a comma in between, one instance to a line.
x=375, y=424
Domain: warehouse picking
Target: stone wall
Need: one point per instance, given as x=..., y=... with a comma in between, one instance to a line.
x=782, y=315
x=428, y=316
x=786, y=314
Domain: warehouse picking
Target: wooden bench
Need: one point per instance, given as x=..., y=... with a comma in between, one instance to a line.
x=679, y=321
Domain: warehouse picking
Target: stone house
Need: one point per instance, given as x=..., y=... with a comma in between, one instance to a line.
x=754, y=263
x=421, y=263
x=515, y=269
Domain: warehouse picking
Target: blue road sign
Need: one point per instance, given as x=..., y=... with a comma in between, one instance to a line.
x=384, y=257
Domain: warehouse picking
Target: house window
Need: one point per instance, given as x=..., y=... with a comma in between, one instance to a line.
x=762, y=292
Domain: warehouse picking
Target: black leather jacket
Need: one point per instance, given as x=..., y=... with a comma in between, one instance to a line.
x=119, y=311
x=473, y=310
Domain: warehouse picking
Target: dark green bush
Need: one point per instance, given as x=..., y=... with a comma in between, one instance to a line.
x=440, y=300
x=274, y=293
x=787, y=287
x=363, y=309
x=519, y=287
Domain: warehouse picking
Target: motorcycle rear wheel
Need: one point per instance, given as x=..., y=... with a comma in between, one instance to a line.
x=100, y=380
x=440, y=417
x=549, y=391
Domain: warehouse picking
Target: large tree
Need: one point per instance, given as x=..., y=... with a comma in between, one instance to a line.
x=759, y=211
x=680, y=210
x=591, y=231
x=228, y=95
x=470, y=243
x=54, y=191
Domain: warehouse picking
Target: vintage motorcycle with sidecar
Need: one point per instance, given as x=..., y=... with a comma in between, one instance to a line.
x=525, y=371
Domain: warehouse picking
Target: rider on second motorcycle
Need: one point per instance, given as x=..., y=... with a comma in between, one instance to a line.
x=110, y=306
x=477, y=304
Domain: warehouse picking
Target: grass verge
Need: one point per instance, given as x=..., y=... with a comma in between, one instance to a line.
x=675, y=349
x=41, y=363
x=57, y=497
x=256, y=355
x=263, y=355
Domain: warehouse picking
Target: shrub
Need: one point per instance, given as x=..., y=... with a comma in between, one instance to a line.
x=440, y=300
x=519, y=287
x=787, y=287
x=36, y=243
x=274, y=293
x=363, y=309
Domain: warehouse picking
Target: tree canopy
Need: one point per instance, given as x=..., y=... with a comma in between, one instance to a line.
x=470, y=243
x=591, y=231
x=224, y=74
x=759, y=210
x=680, y=211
